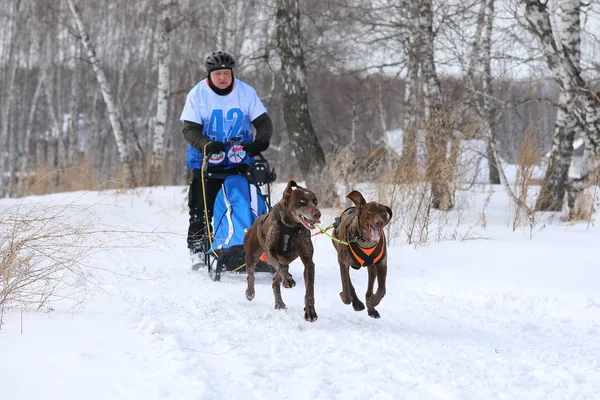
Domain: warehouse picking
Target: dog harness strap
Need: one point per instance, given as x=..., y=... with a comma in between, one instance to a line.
x=338, y=220
x=286, y=244
x=261, y=222
x=368, y=256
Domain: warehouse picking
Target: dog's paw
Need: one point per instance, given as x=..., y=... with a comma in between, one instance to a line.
x=288, y=282
x=345, y=298
x=250, y=294
x=358, y=305
x=280, y=305
x=373, y=313
x=310, y=314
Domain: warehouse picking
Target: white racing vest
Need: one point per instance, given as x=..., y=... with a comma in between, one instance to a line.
x=223, y=119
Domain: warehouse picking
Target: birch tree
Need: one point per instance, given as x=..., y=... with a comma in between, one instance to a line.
x=304, y=142
x=578, y=107
x=410, y=131
x=114, y=114
x=163, y=90
x=551, y=196
x=481, y=57
x=437, y=124
x=24, y=155
x=8, y=136
x=488, y=109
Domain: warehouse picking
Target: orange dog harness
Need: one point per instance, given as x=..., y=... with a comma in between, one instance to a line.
x=368, y=256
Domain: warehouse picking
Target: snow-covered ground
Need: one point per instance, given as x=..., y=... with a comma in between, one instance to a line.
x=498, y=316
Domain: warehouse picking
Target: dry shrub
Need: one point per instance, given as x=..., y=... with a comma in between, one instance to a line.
x=382, y=177
x=41, y=252
x=411, y=203
x=420, y=184
x=530, y=156
x=343, y=167
x=45, y=250
x=423, y=193
x=164, y=177
x=147, y=176
x=415, y=220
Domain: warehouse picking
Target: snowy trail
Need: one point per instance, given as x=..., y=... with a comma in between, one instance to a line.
x=461, y=320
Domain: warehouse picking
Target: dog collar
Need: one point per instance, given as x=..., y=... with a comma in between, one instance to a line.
x=360, y=238
x=286, y=215
x=365, y=256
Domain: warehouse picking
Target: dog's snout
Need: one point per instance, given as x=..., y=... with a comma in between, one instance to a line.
x=379, y=224
x=316, y=214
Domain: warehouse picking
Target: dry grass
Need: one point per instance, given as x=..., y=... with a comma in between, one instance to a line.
x=49, y=179
x=40, y=256
x=530, y=156
x=45, y=253
x=404, y=188
x=410, y=189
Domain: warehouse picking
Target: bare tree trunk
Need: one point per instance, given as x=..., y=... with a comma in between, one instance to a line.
x=162, y=102
x=552, y=193
x=114, y=114
x=381, y=109
x=409, y=133
x=566, y=72
x=11, y=133
x=564, y=63
x=24, y=154
x=591, y=106
x=301, y=133
x=489, y=109
x=55, y=126
x=551, y=197
x=438, y=127
x=481, y=56
x=478, y=43
x=73, y=120
x=8, y=135
x=353, y=128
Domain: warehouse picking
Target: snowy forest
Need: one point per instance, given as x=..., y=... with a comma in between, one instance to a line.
x=436, y=159
x=91, y=91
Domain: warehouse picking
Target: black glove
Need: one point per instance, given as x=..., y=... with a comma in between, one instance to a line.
x=215, y=147
x=255, y=147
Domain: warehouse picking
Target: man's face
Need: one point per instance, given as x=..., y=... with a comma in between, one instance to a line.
x=221, y=78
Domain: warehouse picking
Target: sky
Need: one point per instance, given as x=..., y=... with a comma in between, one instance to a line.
x=481, y=311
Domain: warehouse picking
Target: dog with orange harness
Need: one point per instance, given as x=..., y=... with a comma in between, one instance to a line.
x=359, y=240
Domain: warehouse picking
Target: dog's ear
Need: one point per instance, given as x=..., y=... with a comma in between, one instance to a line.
x=389, y=211
x=288, y=190
x=357, y=198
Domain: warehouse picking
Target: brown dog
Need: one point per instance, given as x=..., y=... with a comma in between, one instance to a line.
x=361, y=227
x=284, y=235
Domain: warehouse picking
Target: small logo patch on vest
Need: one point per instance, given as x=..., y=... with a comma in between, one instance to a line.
x=286, y=243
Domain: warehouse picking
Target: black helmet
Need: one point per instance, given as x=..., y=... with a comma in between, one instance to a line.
x=219, y=60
